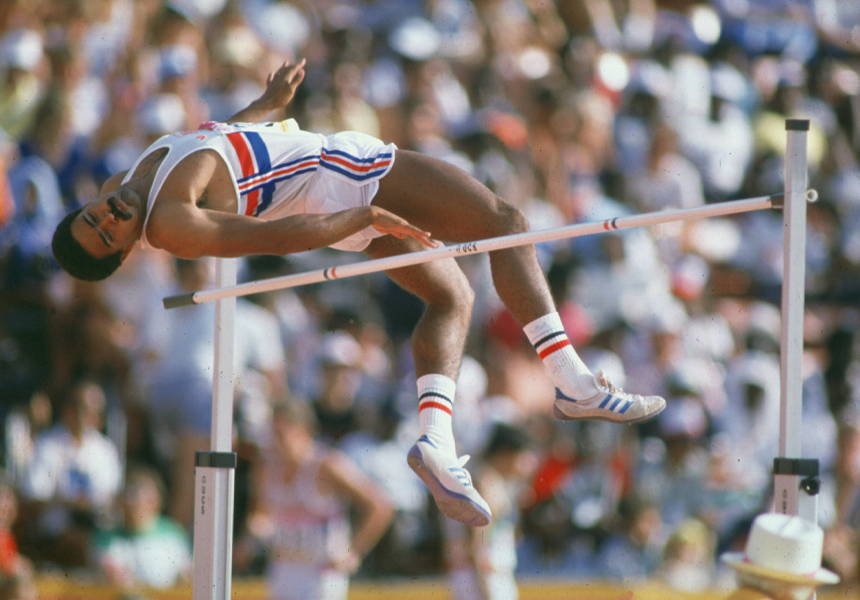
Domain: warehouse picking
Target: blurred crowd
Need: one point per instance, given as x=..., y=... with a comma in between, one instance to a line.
x=574, y=110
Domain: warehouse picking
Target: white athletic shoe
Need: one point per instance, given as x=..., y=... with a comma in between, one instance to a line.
x=609, y=404
x=450, y=484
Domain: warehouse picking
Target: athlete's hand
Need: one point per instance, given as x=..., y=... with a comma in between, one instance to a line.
x=390, y=224
x=282, y=84
x=280, y=89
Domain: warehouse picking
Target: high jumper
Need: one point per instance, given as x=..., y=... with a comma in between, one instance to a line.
x=249, y=187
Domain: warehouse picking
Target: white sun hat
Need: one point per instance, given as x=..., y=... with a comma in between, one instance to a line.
x=783, y=548
x=338, y=348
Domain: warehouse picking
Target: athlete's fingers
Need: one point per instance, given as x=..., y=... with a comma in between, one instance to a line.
x=296, y=72
x=282, y=70
x=423, y=237
x=389, y=224
x=427, y=241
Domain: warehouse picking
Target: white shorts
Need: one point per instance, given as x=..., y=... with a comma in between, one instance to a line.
x=329, y=194
x=297, y=581
x=333, y=191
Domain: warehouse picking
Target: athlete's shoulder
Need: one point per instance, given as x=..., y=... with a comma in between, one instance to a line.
x=113, y=182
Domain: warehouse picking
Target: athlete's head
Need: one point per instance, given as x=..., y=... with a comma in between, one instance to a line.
x=76, y=261
x=90, y=243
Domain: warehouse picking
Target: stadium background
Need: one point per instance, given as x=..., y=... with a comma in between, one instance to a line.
x=573, y=110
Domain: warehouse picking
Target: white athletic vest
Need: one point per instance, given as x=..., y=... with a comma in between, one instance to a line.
x=311, y=528
x=272, y=164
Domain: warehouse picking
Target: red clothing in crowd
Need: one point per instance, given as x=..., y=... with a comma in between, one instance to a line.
x=8, y=553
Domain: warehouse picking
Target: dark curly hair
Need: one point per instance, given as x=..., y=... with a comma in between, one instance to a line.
x=76, y=261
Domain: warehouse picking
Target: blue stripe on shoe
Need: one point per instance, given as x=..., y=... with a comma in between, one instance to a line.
x=625, y=407
x=461, y=475
x=559, y=395
x=614, y=404
x=426, y=439
x=605, y=401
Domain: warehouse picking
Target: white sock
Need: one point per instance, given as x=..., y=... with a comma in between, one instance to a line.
x=435, y=410
x=565, y=368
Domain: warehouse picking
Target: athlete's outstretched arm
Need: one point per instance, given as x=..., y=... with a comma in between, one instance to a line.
x=280, y=89
x=190, y=232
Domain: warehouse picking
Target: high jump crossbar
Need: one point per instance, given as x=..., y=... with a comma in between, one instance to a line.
x=480, y=246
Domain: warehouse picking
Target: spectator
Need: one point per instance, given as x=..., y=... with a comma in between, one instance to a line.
x=53, y=139
x=674, y=473
x=302, y=494
x=38, y=208
x=841, y=550
x=720, y=143
x=73, y=479
x=632, y=552
x=688, y=557
x=749, y=419
x=12, y=564
x=147, y=548
x=669, y=180
x=336, y=405
x=407, y=548
x=178, y=393
x=21, y=87
x=18, y=587
x=481, y=563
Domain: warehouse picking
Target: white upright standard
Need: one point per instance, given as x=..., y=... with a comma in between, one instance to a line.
x=796, y=481
x=214, y=471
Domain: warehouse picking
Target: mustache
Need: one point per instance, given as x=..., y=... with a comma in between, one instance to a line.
x=117, y=211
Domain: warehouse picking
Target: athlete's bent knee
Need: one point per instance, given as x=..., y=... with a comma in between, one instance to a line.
x=509, y=219
x=456, y=295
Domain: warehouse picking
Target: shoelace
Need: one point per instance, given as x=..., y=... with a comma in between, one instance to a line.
x=610, y=388
x=606, y=385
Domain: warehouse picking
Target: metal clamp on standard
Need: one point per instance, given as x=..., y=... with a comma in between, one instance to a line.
x=217, y=460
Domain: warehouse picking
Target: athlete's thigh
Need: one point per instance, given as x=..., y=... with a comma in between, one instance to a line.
x=442, y=199
x=436, y=282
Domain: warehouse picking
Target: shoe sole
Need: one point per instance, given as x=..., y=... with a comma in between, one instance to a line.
x=453, y=505
x=558, y=414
